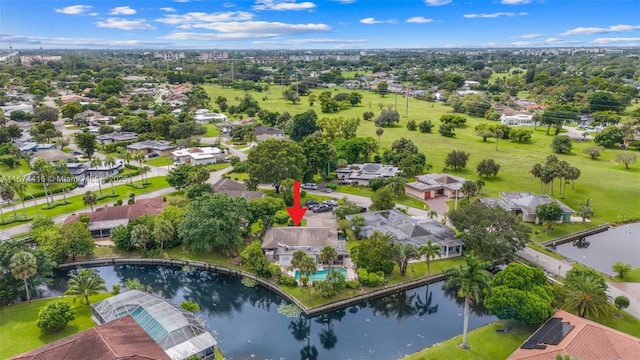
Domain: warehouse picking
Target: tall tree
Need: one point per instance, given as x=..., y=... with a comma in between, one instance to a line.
x=430, y=251
x=469, y=280
x=303, y=125
x=275, y=160
x=86, y=141
x=375, y=253
x=163, y=231
x=585, y=211
x=586, y=295
x=79, y=239
x=492, y=232
x=89, y=198
x=328, y=255
x=64, y=176
x=110, y=162
x=402, y=254
x=379, y=132
x=84, y=283
x=23, y=265
x=45, y=172
x=308, y=267
x=457, y=159
x=396, y=185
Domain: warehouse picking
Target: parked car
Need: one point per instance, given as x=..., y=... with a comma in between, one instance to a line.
x=153, y=155
x=332, y=203
x=309, y=186
x=310, y=204
x=326, y=189
x=76, y=152
x=345, y=182
x=322, y=208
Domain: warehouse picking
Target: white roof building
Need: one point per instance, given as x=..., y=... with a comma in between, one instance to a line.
x=203, y=116
x=198, y=155
x=517, y=119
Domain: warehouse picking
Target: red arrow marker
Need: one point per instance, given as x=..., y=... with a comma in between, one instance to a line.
x=296, y=212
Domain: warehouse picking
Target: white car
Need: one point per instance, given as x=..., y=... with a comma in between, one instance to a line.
x=309, y=186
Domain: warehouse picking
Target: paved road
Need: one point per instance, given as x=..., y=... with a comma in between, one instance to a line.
x=555, y=267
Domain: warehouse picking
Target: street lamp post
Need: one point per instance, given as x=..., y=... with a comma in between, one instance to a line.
x=456, y=204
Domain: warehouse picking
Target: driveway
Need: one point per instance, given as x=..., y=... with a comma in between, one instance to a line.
x=438, y=205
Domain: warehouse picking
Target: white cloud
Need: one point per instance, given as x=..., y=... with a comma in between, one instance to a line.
x=122, y=10
x=494, y=15
x=124, y=24
x=192, y=19
x=228, y=5
x=74, y=9
x=554, y=41
x=34, y=41
x=419, y=20
x=522, y=43
x=168, y=9
x=531, y=36
x=616, y=40
x=310, y=41
x=370, y=21
x=600, y=30
x=283, y=5
x=247, y=30
x=514, y=2
x=437, y=2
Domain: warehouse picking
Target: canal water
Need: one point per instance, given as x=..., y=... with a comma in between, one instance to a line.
x=246, y=322
x=602, y=250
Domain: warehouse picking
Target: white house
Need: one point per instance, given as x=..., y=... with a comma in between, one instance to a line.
x=517, y=119
x=362, y=173
x=198, y=155
x=203, y=116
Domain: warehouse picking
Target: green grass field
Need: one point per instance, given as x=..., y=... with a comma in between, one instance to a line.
x=212, y=130
x=613, y=190
x=76, y=201
x=631, y=276
x=19, y=330
x=485, y=343
x=160, y=161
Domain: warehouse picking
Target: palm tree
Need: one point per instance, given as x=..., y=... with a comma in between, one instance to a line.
x=402, y=253
x=470, y=279
x=379, y=132
x=430, y=250
x=110, y=162
x=89, y=198
x=23, y=265
x=139, y=156
x=396, y=185
x=357, y=221
x=586, y=295
x=6, y=192
x=536, y=171
x=126, y=156
x=97, y=162
x=296, y=258
x=84, y=283
x=141, y=236
x=45, y=171
x=143, y=170
x=585, y=210
x=308, y=267
x=20, y=187
x=163, y=231
x=62, y=171
x=328, y=255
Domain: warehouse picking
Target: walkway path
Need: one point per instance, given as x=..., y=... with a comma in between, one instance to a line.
x=560, y=267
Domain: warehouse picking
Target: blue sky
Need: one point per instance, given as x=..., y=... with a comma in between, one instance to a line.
x=317, y=24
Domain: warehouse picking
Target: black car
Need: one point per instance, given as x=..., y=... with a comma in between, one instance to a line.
x=310, y=204
x=322, y=208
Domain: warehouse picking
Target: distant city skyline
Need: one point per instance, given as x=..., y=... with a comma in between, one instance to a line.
x=326, y=24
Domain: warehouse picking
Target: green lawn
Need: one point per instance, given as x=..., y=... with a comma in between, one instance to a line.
x=160, y=161
x=627, y=324
x=485, y=343
x=19, y=330
x=212, y=131
x=216, y=167
x=609, y=193
x=631, y=276
x=405, y=200
x=76, y=201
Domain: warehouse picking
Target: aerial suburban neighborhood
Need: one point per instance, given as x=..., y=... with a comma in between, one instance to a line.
x=192, y=195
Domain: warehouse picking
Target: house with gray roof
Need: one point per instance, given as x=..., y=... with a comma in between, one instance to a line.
x=162, y=147
x=362, y=173
x=411, y=230
x=525, y=204
x=433, y=185
x=280, y=243
x=116, y=137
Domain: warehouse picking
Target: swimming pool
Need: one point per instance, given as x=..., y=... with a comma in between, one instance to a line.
x=322, y=274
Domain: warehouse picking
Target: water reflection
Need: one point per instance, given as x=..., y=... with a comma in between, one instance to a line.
x=246, y=323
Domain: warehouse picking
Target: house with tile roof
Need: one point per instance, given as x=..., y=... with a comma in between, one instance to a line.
x=236, y=189
x=280, y=243
x=162, y=147
x=119, y=339
x=580, y=338
x=429, y=186
x=525, y=204
x=103, y=219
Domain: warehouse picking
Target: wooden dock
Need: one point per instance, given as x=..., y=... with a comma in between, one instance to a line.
x=387, y=290
x=576, y=236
